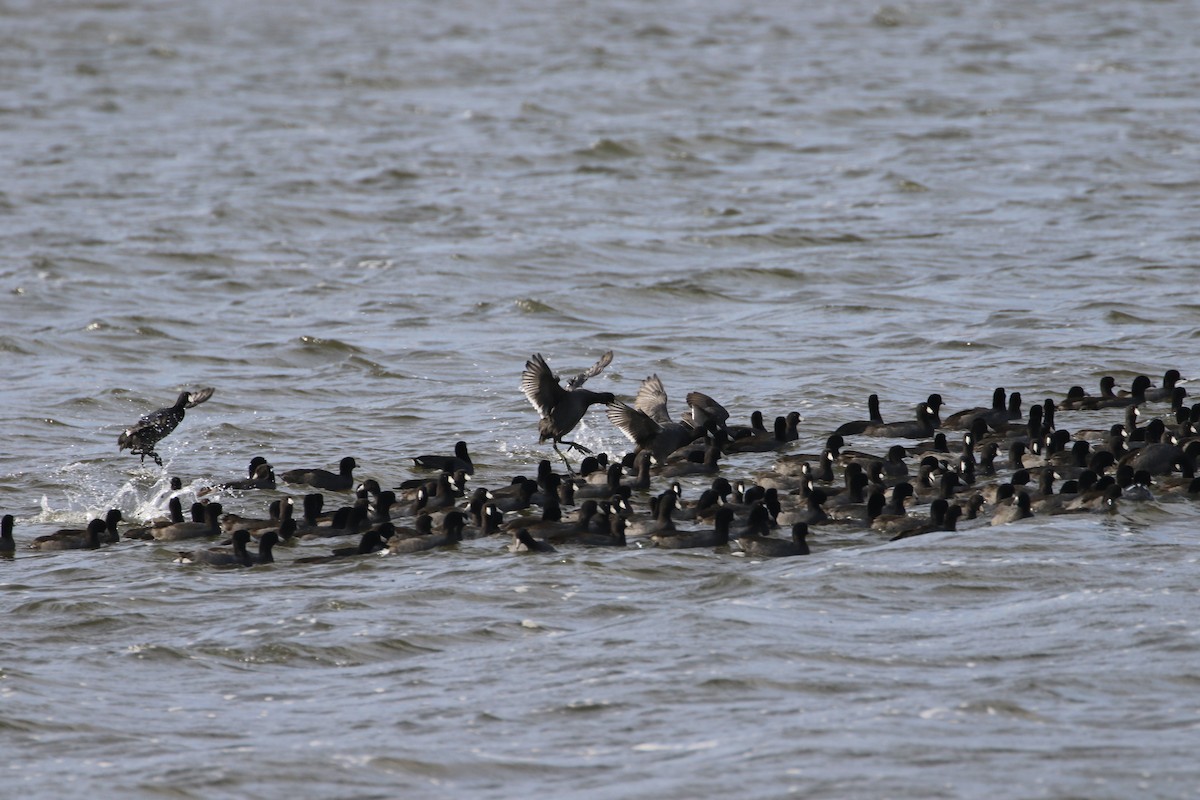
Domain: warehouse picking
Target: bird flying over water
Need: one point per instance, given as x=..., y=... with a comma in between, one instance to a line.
x=140, y=439
x=561, y=409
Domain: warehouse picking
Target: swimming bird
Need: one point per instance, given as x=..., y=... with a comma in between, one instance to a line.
x=755, y=428
x=381, y=509
x=283, y=534
x=174, y=514
x=794, y=463
x=443, y=495
x=460, y=460
x=8, y=545
x=1163, y=458
x=764, y=441
x=1108, y=384
x=708, y=465
x=371, y=542
x=1077, y=397
x=422, y=526
x=1102, y=498
x=491, y=520
x=770, y=547
x=523, y=542
x=560, y=530
x=311, y=516
x=346, y=521
x=106, y=534
x=964, y=419
x=1111, y=399
x=810, y=512
x=341, y=481
x=758, y=523
x=517, y=496
x=614, y=536
x=893, y=516
x=71, y=538
x=917, y=428
x=452, y=534
x=1135, y=484
x=1018, y=508
x=611, y=485
x=237, y=555
x=140, y=438
x=277, y=510
x=854, y=494
x=591, y=470
x=262, y=476
x=942, y=517
x=718, y=536
x=111, y=535
x=223, y=555
x=561, y=409
x=1167, y=391
x=860, y=425
x=893, y=463
x=662, y=520
x=192, y=530
x=1137, y=389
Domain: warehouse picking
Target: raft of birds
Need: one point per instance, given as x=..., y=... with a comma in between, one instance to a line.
x=978, y=466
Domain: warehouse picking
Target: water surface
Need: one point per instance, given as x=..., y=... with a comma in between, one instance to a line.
x=357, y=220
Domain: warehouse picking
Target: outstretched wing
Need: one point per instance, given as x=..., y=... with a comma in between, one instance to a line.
x=651, y=400
x=636, y=425
x=706, y=410
x=591, y=372
x=198, y=397
x=540, y=386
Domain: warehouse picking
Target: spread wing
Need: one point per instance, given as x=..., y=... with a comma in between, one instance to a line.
x=540, y=386
x=636, y=425
x=705, y=410
x=591, y=372
x=651, y=400
x=198, y=397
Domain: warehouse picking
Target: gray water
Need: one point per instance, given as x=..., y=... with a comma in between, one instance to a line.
x=356, y=220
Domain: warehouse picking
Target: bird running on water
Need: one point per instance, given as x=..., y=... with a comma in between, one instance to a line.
x=140, y=439
x=561, y=409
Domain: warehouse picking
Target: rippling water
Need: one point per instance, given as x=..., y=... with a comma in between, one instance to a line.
x=357, y=220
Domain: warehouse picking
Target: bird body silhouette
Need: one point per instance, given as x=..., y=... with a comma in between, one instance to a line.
x=140, y=438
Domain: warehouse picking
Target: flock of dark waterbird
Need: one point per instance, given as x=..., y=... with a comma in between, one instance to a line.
x=989, y=465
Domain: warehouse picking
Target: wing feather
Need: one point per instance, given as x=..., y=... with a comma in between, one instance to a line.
x=637, y=426
x=651, y=400
x=540, y=386
x=706, y=410
x=591, y=371
x=196, y=398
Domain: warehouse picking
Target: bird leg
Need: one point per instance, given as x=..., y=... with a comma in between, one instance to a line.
x=566, y=463
x=144, y=453
x=575, y=446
